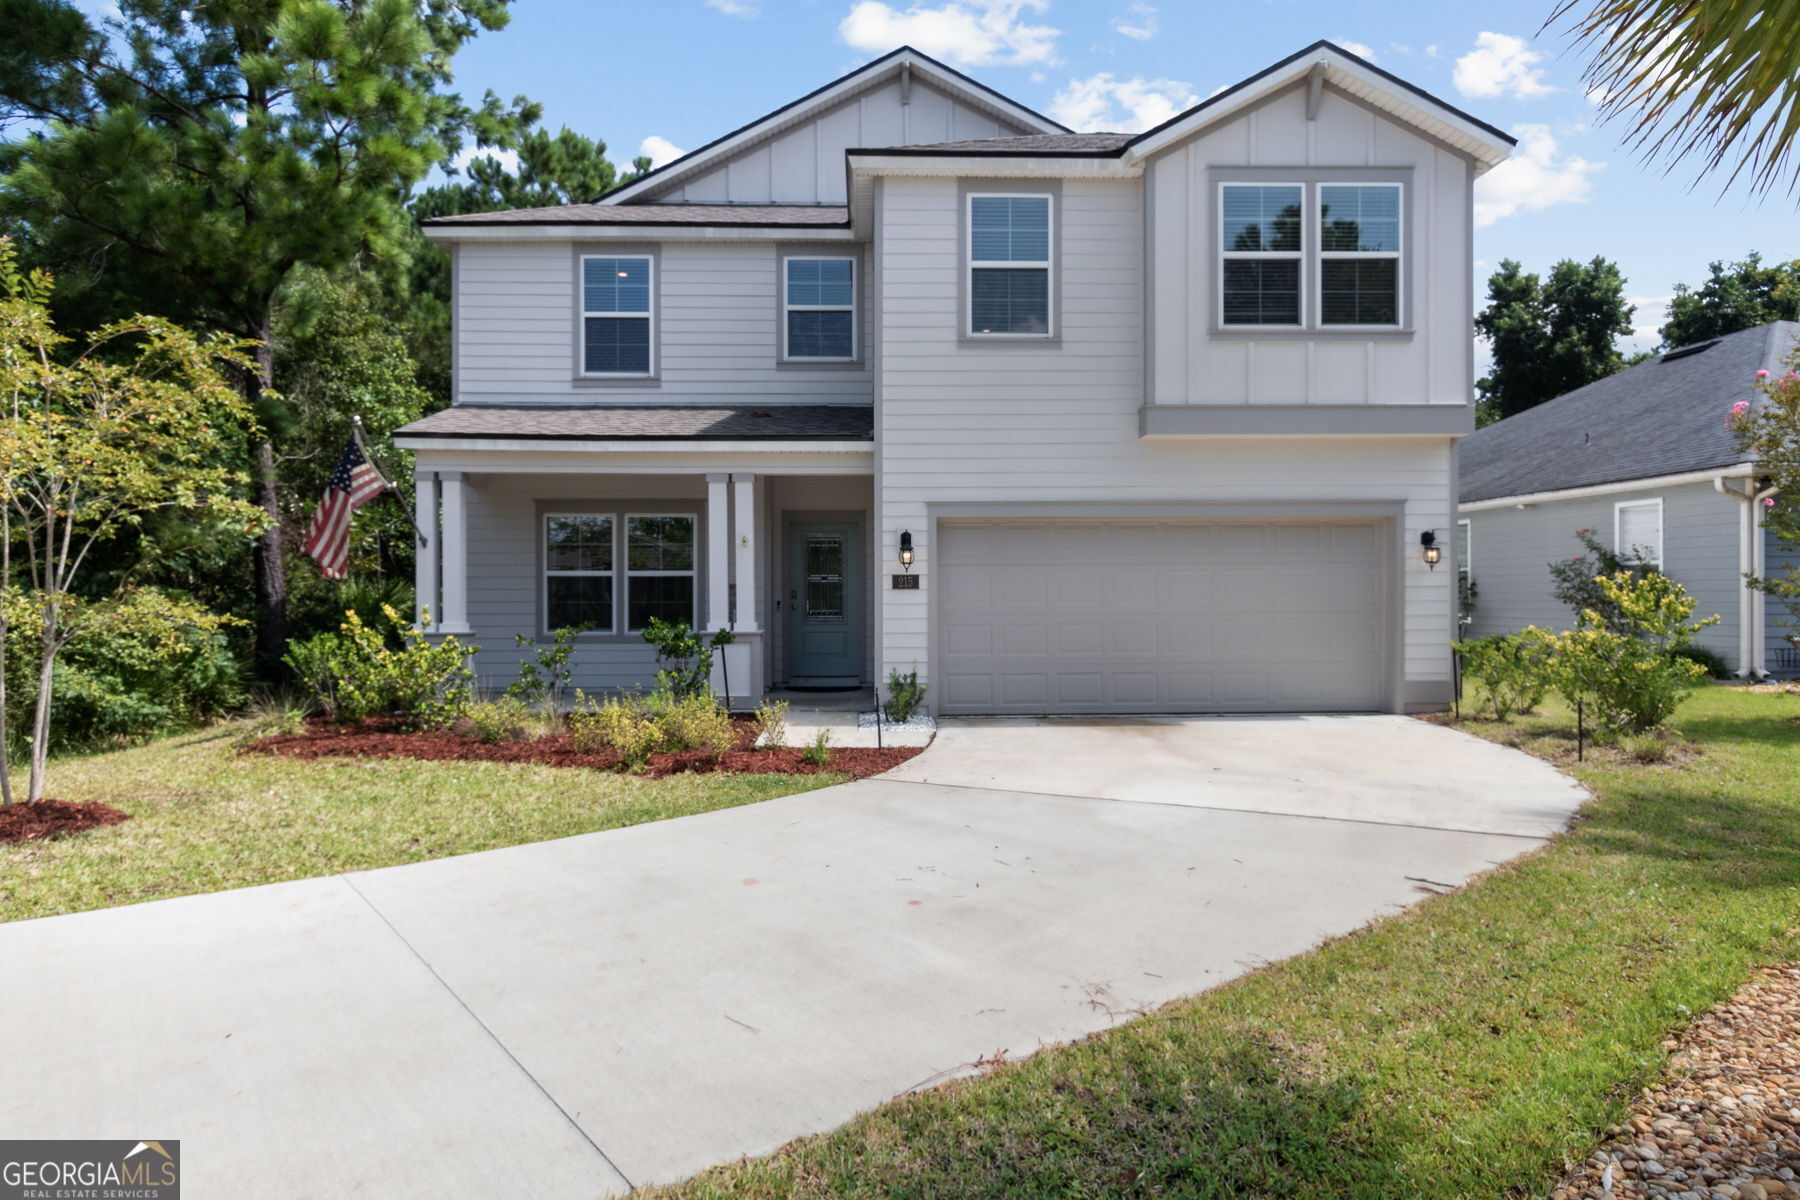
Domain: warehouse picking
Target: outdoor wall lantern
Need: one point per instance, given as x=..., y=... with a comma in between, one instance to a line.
x=1433, y=552
x=906, y=549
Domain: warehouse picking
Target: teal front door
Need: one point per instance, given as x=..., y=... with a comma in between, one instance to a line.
x=824, y=603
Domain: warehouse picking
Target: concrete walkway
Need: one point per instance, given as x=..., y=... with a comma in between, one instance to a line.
x=574, y=1017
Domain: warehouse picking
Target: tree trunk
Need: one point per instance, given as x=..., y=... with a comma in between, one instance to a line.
x=271, y=571
x=40, y=716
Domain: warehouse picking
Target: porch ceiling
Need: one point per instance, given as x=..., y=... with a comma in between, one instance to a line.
x=646, y=422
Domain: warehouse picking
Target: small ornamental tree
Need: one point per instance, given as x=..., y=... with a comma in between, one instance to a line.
x=1769, y=431
x=95, y=441
x=1576, y=580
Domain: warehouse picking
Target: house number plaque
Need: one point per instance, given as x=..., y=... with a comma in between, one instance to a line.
x=906, y=583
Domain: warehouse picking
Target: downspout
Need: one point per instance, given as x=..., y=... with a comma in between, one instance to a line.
x=1759, y=635
x=1747, y=659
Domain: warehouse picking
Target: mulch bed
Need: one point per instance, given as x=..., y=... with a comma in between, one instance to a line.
x=1724, y=1123
x=43, y=819
x=378, y=738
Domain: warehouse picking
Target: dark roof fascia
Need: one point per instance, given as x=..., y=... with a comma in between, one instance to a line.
x=640, y=437
x=866, y=68
x=479, y=220
x=924, y=152
x=1290, y=60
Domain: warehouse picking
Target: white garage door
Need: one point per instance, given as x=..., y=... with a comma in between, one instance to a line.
x=1042, y=616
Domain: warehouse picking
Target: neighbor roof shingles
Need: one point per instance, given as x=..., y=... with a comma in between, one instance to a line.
x=1657, y=418
x=1028, y=143
x=789, y=215
x=650, y=422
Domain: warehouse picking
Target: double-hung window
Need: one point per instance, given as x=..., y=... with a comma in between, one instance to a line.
x=1263, y=253
x=615, y=315
x=1359, y=254
x=578, y=572
x=1009, y=265
x=659, y=568
x=1638, y=531
x=819, y=305
x=1310, y=256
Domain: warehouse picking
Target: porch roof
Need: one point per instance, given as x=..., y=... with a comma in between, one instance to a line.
x=649, y=422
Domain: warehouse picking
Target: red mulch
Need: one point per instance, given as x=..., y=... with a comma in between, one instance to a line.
x=43, y=819
x=379, y=738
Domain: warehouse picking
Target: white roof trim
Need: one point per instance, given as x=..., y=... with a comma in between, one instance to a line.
x=557, y=445
x=639, y=232
x=1648, y=483
x=1353, y=76
x=802, y=110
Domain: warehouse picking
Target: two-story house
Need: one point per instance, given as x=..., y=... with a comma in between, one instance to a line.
x=906, y=375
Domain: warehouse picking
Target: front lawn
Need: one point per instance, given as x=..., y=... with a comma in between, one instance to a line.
x=1467, y=1048
x=205, y=818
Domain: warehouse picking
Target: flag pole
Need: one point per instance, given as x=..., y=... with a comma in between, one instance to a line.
x=356, y=431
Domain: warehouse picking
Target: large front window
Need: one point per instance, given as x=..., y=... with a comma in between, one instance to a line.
x=1359, y=254
x=1262, y=253
x=615, y=316
x=578, y=572
x=659, y=569
x=1310, y=256
x=1009, y=266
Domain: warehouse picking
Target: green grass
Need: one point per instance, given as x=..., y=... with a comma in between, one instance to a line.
x=1467, y=1048
x=205, y=818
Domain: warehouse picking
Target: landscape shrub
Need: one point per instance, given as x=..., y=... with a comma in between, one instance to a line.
x=818, y=753
x=270, y=716
x=905, y=694
x=360, y=672
x=544, y=678
x=1649, y=748
x=142, y=663
x=619, y=722
x=771, y=724
x=1630, y=679
x=1712, y=660
x=1512, y=670
x=510, y=719
x=697, y=722
x=688, y=657
x=1576, y=581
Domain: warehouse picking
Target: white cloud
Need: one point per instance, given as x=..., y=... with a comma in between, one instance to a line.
x=1645, y=337
x=1501, y=65
x=1431, y=51
x=1360, y=49
x=971, y=33
x=659, y=150
x=734, y=8
x=506, y=158
x=1124, y=105
x=1138, y=21
x=1537, y=176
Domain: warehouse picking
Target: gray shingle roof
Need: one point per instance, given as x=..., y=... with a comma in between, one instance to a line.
x=775, y=215
x=1665, y=416
x=1028, y=143
x=626, y=422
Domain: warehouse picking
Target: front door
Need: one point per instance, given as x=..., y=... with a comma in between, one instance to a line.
x=825, y=615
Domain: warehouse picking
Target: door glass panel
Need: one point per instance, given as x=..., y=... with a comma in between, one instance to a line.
x=824, y=578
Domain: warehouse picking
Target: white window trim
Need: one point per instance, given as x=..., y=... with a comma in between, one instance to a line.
x=693, y=572
x=1300, y=256
x=787, y=354
x=648, y=315
x=1324, y=255
x=971, y=264
x=612, y=618
x=1618, y=528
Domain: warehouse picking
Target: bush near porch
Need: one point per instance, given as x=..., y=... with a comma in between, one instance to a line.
x=1470, y=1047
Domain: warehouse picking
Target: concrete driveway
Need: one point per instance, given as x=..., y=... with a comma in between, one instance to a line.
x=572, y=1018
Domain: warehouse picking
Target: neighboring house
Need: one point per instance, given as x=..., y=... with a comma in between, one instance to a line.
x=907, y=376
x=1647, y=461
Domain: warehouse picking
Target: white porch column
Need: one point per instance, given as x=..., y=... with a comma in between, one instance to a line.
x=718, y=552
x=745, y=575
x=455, y=618
x=425, y=558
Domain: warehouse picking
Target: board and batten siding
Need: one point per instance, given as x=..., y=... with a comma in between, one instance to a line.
x=1431, y=365
x=805, y=165
x=962, y=423
x=717, y=328
x=1511, y=550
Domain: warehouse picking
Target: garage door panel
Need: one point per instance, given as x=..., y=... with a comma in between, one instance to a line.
x=1145, y=616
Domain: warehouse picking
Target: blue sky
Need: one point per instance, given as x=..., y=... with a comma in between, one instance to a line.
x=685, y=71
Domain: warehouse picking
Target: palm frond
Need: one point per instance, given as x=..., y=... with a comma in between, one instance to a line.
x=1714, y=79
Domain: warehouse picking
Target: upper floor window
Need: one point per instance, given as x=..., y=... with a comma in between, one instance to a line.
x=1318, y=257
x=615, y=315
x=1359, y=254
x=1638, y=531
x=819, y=300
x=1009, y=265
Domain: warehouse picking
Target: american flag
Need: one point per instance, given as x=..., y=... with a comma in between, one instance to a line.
x=353, y=484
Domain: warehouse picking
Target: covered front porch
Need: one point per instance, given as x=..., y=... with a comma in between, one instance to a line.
x=771, y=544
